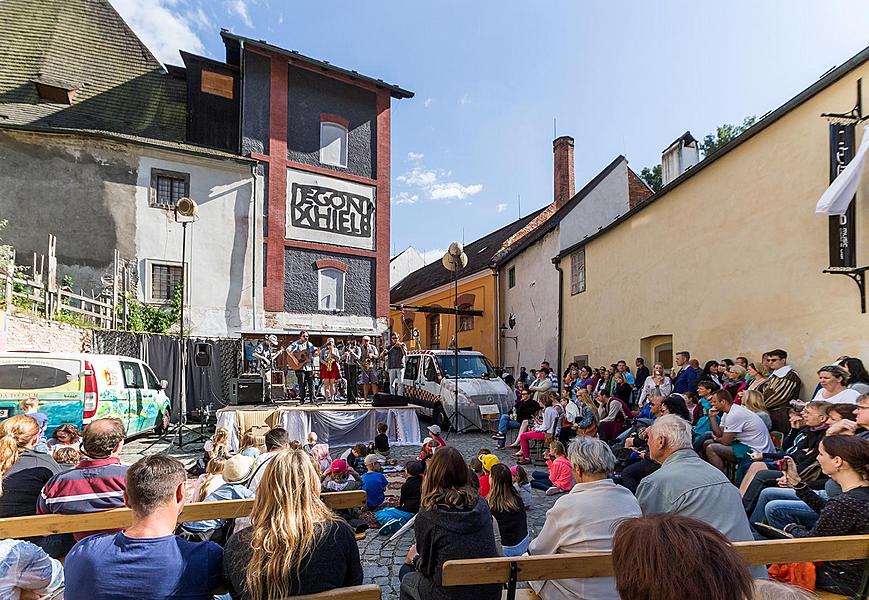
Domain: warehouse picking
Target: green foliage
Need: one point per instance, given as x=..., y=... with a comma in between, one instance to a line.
x=65, y=316
x=66, y=281
x=652, y=177
x=6, y=250
x=723, y=134
x=151, y=318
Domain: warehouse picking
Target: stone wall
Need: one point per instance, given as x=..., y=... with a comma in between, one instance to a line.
x=31, y=333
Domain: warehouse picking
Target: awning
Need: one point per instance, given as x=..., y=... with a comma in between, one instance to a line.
x=838, y=196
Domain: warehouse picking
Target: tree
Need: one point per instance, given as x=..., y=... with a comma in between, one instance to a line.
x=652, y=177
x=723, y=134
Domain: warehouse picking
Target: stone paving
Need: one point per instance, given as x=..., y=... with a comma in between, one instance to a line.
x=380, y=561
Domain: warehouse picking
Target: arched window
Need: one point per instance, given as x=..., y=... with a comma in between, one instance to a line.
x=333, y=144
x=434, y=331
x=466, y=322
x=331, y=289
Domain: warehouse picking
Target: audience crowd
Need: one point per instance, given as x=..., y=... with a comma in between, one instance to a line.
x=663, y=467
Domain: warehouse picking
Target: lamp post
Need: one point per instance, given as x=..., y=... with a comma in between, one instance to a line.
x=185, y=213
x=454, y=260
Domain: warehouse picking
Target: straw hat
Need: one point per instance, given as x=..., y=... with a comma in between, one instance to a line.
x=238, y=468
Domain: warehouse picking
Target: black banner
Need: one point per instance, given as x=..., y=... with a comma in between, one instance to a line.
x=843, y=252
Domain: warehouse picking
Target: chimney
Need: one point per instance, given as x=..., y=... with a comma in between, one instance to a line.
x=565, y=186
x=678, y=157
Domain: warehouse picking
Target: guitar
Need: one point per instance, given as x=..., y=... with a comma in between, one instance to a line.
x=298, y=360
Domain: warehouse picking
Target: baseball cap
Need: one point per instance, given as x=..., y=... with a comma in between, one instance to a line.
x=426, y=441
x=434, y=429
x=238, y=468
x=489, y=461
x=339, y=465
x=373, y=458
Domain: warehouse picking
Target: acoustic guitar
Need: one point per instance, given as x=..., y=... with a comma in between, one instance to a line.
x=298, y=360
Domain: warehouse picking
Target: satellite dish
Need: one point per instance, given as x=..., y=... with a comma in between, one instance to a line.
x=185, y=207
x=455, y=263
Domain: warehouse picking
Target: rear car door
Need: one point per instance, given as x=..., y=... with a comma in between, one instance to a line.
x=134, y=385
x=55, y=382
x=152, y=402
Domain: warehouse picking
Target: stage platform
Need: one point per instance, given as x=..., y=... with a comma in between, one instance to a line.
x=334, y=424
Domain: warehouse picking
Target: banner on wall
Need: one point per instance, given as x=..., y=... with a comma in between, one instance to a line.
x=331, y=211
x=838, y=200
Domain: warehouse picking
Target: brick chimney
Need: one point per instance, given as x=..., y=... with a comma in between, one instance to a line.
x=565, y=186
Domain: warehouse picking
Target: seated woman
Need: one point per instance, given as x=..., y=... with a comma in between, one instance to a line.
x=453, y=522
x=295, y=544
x=646, y=549
x=549, y=429
x=507, y=508
x=702, y=426
x=846, y=460
x=525, y=409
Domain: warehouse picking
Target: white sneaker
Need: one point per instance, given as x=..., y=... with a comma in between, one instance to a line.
x=554, y=491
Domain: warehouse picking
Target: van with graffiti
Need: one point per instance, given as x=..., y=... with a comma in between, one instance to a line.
x=77, y=388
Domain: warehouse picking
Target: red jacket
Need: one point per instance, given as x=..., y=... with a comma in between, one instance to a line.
x=560, y=473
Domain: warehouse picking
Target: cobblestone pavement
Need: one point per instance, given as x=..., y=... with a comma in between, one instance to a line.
x=380, y=561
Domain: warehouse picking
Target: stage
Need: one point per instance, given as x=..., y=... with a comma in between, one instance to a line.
x=334, y=424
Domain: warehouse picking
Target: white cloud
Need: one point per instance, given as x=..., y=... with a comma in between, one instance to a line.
x=405, y=198
x=161, y=29
x=281, y=19
x=465, y=99
x=502, y=208
x=429, y=256
x=415, y=155
x=199, y=18
x=427, y=102
x=454, y=190
x=239, y=9
x=419, y=177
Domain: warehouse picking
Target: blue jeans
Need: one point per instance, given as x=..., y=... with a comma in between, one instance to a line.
x=503, y=425
x=540, y=480
x=519, y=549
x=780, y=506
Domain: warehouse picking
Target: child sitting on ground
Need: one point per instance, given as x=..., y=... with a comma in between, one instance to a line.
x=210, y=480
x=487, y=461
x=435, y=432
x=522, y=485
x=428, y=449
x=392, y=519
x=339, y=477
x=248, y=446
x=355, y=457
x=66, y=456
x=30, y=407
x=560, y=476
x=320, y=454
x=381, y=440
x=374, y=482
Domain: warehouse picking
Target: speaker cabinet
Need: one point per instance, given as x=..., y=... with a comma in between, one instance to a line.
x=381, y=400
x=250, y=391
x=202, y=352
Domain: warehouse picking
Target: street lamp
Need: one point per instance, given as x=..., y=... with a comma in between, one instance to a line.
x=185, y=213
x=455, y=260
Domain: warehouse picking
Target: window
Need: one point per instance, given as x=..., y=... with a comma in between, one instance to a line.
x=511, y=277
x=132, y=375
x=151, y=379
x=217, y=84
x=407, y=329
x=333, y=144
x=167, y=187
x=466, y=322
x=411, y=368
x=577, y=272
x=331, y=289
x=162, y=281
x=431, y=372
x=23, y=376
x=434, y=331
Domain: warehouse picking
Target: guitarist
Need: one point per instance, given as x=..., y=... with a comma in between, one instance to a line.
x=303, y=351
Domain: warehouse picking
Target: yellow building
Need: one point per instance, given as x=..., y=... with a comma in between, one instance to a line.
x=423, y=300
x=728, y=259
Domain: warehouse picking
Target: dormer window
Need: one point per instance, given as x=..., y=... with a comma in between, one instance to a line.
x=56, y=91
x=333, y=140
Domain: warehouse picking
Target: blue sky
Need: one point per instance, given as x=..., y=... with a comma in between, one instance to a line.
x=490, y=78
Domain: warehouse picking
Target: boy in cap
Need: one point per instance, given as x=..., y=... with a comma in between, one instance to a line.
x=339, y=477
x=428, y=448
x=374, y=482
x=435, y=433
x=488, y=461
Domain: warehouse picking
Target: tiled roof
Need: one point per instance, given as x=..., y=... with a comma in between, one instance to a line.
x=87, y=46
x=480, y=254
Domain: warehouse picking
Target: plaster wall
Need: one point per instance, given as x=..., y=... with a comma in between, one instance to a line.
x=730, y=261
x=404, y=264
x=301, y=283
x=599, y=208
x=534, y=302
x=219, y=244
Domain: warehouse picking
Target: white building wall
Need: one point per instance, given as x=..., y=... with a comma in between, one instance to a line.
x=534, y=302
x=599, y=208
x=404, y=264
x=221, y=276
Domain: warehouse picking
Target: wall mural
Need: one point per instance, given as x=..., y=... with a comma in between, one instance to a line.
x=324, y=209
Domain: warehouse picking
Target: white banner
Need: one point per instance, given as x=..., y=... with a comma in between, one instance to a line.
x=838, y=196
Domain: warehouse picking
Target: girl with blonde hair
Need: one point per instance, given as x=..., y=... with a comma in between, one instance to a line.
x=248, y=446
x=295, y=544
x=210, y=480
x=218, y=445
x=18, y=437
x=753, y=401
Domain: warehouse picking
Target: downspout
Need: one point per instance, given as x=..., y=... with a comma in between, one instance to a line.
x=498, y=313
x=253, y=170
x=557, y=263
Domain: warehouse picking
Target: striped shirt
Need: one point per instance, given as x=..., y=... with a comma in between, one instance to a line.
x=782, y=386
x=92, y=486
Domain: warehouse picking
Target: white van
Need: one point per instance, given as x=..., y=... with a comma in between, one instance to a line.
x=77, y=388
x=430, y=383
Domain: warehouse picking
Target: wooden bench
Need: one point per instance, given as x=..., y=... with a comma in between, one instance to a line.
x=510, y=570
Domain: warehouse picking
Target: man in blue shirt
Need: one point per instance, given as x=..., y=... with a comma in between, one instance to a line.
x=686, y=379
x=146, y=559
x=374, y=482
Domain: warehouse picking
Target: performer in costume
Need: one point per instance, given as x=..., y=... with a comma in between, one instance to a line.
x=369, y=367
x=329, y=373
x=303, y=350
x=265, y=354
x=350, y=358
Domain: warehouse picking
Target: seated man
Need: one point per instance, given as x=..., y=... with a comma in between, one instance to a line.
x=147, y=555
x=739, y=432
x=97, y=482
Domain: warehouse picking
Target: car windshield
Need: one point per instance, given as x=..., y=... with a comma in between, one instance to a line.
x=472, y=366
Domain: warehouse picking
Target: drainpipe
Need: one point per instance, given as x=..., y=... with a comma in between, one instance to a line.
x=498, y=313
x=254, y=228
x=557, y=263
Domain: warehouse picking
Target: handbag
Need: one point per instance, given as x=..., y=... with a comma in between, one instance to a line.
x=802, y=574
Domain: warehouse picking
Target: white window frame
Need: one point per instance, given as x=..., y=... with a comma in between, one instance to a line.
x=343, y=138
x=340, y=279
x=149, y=283
x=577, y=281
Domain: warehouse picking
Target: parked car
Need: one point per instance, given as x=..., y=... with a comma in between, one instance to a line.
x=77, y=388
x=430, y=384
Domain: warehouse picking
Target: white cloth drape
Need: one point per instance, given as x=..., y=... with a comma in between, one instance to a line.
x=837, y=197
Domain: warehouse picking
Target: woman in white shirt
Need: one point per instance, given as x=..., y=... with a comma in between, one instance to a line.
x=833, y=389
x=657, y=382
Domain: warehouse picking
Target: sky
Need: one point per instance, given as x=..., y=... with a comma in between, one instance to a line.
x=497, y=81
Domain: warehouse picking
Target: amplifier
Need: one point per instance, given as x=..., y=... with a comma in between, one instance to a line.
x=250, y=391
x=381, y=399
